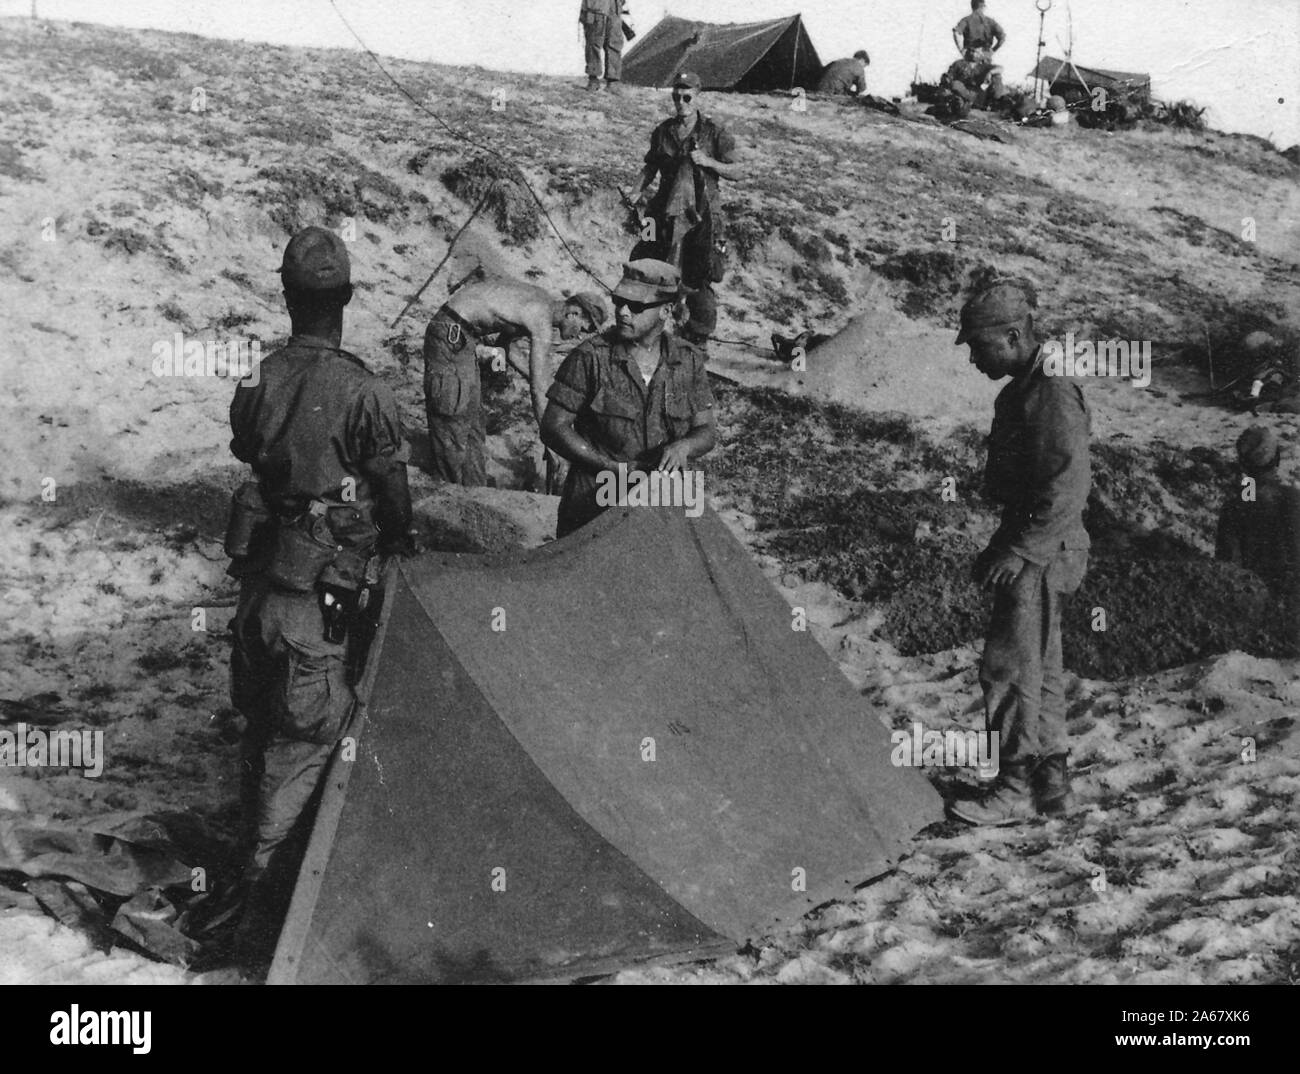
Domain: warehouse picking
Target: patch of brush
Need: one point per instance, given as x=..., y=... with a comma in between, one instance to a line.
x=508, y=203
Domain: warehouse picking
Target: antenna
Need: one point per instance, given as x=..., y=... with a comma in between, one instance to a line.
x=916, y=74
x=1044, y=6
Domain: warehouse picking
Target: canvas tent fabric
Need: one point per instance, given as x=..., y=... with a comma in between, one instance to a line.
x=646, y=762
x=1064, y=77
x=751, y=57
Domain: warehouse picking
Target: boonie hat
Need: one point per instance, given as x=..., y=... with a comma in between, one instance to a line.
x=650, y=281
x=1258, y=448
x=591, y=304
x=1005, y=302
x=315, y=260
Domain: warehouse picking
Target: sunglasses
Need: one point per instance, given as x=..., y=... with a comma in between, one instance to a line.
x=683, y=97
x=636, y=308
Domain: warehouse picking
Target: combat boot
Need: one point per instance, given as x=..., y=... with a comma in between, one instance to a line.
x=593, y=85
x=1052, y=785
x=1011, y=801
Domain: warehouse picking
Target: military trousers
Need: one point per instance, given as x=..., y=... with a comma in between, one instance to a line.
x=1021, y=674
x=292, y=689
x=453, y=398
x=604, y=37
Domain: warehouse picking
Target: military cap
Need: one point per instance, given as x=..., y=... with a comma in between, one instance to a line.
x=315, y=260
x=591, y=304
x=687, y=80
x=649, y=281
x=861, y=54
x=1004, y=302
x=1258, y=448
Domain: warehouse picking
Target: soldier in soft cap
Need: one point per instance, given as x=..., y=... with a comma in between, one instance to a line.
x=1259, y=526
x=635, y=395
x=324, y=440
x=1038, y=471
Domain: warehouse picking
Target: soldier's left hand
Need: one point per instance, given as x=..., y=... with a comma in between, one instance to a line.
x=1003, y=570
x=698, y=156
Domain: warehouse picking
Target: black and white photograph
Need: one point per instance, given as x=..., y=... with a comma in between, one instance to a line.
x=615, y=492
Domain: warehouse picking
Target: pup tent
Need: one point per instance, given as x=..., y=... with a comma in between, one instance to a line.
x=1075, y=83
x=751, y=57
x=646, y=762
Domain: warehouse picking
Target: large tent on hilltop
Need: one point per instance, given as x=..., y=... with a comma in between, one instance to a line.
x=613, y=749
x=1069, y=80
x=750, y=57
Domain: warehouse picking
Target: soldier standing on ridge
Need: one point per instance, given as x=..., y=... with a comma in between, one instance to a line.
x=509, y=309
x=1038, y=470
x=324, y=439
x=602, y=25
x=634, y=395
x=978, y=36
x=689, y=153
x=1259, y=526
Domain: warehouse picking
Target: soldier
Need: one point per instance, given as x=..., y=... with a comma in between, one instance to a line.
x=1038, y=470
x=509, y=309
x=688, y=153
x=634, y=395
x=846, y=76
x=978, y=35
x=1259, y=526
x=324, y=439
x=602, y=25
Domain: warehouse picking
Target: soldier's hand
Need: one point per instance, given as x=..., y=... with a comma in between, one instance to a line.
x=675, y=456
x=701, y=158
x=1002, y=570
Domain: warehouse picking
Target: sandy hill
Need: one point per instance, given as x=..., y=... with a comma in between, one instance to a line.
x=129, y=215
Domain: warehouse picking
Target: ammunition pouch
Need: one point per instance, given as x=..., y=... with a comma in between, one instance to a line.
x=304, y=548
x=250, y=522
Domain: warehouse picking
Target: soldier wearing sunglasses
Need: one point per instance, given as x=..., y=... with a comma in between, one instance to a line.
x=689, y=153
x=635, y=395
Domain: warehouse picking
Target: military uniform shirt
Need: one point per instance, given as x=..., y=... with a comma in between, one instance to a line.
x=979, y=31
x=665, y=153
x=618, y=412
x=1038, y=466
x=315, y=417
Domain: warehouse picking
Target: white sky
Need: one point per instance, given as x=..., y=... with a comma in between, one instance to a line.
x=1236, y=56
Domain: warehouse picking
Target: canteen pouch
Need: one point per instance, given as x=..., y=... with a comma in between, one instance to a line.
x=248, y=519
x=303, y=550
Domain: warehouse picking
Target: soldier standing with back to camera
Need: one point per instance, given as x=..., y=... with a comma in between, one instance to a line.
x=324, y=440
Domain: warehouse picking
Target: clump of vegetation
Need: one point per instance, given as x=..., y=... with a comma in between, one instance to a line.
x=509, y=204
x=337, y=188
x=840, y=509
x=1181, y=115
x=11, y=162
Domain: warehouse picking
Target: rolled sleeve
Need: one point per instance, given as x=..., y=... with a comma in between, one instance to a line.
x=572, y=387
